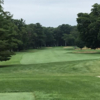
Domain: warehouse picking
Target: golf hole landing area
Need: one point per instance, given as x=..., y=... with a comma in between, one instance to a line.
x=17, y=96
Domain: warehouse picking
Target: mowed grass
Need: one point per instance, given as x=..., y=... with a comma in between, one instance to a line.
x=54, y=74
x=17, y=96
x=47, y=55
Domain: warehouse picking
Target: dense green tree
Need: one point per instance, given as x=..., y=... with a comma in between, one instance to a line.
x=89, y=27
x=21, y=33
x=49, y=36
x=69, y=39
x=79, y=43
x=49, y=33
x=7, y=40
x=32, y=36
x=40, y=40
x=36, y=35
x=60, y=31
x=74, y=32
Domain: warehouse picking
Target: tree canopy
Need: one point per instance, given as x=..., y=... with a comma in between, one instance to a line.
x=8, y=34
x=89, y=27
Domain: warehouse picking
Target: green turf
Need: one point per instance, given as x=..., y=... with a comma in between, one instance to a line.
x=57, y=79
x=48, y=55
x=17, y=96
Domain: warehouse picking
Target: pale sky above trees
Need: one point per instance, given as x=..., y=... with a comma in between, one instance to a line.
x=48, y=12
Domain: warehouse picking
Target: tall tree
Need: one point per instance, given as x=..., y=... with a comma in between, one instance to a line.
x=21, y=33
x=40, y=40
x=79, y=43
x=5, y=54
x=32, y=36
x=60, y=31
x=8, y=39
x=49, y=33
x=88, y=26
x=69, y=39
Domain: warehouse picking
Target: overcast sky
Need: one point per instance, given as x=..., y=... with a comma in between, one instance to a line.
x=48, y=12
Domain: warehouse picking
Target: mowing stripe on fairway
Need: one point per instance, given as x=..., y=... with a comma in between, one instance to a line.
x=55, y=55
x=17, y=96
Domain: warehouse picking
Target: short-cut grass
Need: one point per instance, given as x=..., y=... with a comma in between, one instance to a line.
x=52, y=74
x=17, y=96
x=48, y=55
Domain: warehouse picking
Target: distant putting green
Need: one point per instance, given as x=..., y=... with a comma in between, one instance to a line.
x=17, y=96
x=48, y=55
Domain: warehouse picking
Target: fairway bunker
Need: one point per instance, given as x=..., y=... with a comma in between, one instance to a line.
x=17, y=96
x=98, y=76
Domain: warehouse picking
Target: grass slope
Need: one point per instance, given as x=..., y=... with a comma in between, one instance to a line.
x=57, y=79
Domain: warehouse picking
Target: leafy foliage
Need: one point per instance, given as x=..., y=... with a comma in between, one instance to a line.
x=8, y=34
x=80, y=43
x=88, y=26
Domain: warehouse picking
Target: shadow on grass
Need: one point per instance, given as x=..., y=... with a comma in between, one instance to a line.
x=12, y=65
x=2, y=66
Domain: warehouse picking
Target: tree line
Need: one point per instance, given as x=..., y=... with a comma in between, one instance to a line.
x=16, y=35
x=36, y=35
x=89, y=27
